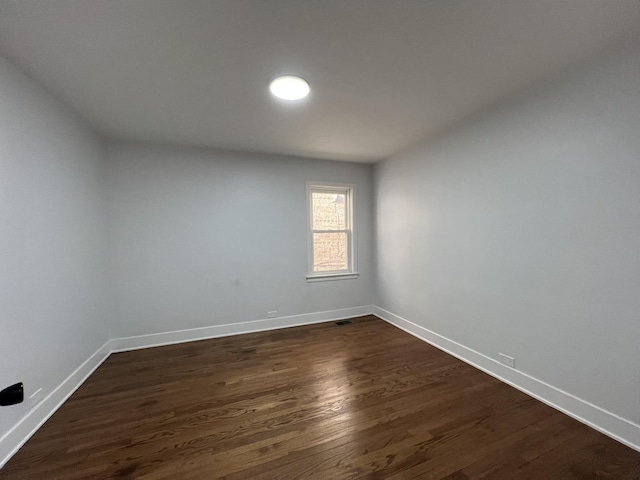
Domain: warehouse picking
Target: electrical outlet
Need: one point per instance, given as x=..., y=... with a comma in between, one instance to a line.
x=507, y=360
x=35, y=398
x=272, y=314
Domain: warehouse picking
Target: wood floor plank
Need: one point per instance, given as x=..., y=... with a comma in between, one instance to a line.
x=363, y=400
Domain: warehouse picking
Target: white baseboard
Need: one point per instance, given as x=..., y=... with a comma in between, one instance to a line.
x=610, y=424
x=11, y=441
x=193, y=334
x=606, y=422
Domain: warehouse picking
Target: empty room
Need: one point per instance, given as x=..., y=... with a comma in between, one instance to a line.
x=319, y=239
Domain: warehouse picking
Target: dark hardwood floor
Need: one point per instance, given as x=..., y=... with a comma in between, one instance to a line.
x=364, y=400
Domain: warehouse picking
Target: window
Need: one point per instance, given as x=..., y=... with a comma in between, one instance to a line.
x=331, y=235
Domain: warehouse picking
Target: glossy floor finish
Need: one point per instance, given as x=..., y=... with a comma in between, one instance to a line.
x=362, y=400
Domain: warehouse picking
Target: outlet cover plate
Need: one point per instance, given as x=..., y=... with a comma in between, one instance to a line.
x=507, y=360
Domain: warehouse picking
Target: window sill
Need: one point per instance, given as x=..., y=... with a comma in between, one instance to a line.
x=332, y=276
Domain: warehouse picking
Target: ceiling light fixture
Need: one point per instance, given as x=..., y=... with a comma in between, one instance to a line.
x=289, y=87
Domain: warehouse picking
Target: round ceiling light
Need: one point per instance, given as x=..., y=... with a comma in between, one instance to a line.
x=289, y=87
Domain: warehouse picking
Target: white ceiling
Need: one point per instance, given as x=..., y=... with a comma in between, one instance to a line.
x=384, y=74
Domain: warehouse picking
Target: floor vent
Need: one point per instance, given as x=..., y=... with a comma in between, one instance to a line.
x=343, y=322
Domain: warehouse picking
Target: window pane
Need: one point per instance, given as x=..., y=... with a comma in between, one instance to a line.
x=329, y=211
x=330, y=251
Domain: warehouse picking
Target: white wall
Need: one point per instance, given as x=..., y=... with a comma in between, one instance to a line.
x=53, y=244
x=205, y=237
x=519, y=232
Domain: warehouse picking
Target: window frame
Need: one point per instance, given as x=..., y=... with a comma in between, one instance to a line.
x=349, y=191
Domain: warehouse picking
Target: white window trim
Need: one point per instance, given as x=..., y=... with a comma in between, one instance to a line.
x=350, y=190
